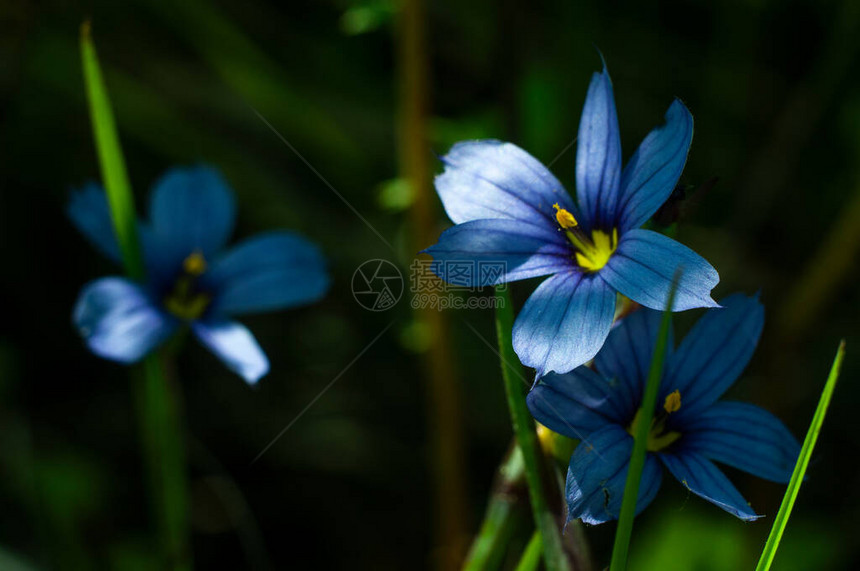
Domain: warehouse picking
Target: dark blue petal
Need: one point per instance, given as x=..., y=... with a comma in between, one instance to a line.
x=267, y=272
x=89, y=212
x=598, y=155
x=118, y=320
x=492, y=179
x=597, y=474
x=643, y=266
x=652, y=173
x=746, y=437
x=191, y=209
x=524, y=250
x=235, y=346
x=564, y=322
x=626, y=357
x=575, y=403
x=700, y=476
x=714, y=353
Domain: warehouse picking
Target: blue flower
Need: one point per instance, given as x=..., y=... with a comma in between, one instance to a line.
x=691, y=428
x=509, y=209
x=191, y=279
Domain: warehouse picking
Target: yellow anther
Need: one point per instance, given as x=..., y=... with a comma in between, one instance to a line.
x=565, y=219
x=673, y=401
x=195, y=264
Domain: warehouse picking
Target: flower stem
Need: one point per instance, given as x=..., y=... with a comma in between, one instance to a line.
x=159, y=420
x=793, y=489
x=164, y=453
x=637, y=456
x=526, y=435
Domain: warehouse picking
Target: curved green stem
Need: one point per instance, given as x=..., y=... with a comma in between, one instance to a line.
x=526, y=435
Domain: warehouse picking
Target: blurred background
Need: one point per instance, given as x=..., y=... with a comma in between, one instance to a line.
x=391, y=467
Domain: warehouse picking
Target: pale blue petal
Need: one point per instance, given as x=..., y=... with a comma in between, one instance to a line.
x=118, y=320
x=700, y=476
x=574, y=404
x=746, y=437
x=235, y=346
x=598, y=471
x=522, y=250
x=598, y=155
x=652, y=173
x=492, y=179
x=191, y=209
x=267, y=272
x=626, y=356
x=644, y=265
x=564, y=322
x=714, y=353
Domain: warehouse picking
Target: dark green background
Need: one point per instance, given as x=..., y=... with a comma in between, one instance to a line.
x=774, y=91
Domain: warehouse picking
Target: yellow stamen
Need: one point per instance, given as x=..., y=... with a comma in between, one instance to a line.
x=195, y=264
x=594, y=255
x=673, y=402
x=658, y=437
x=565, y=218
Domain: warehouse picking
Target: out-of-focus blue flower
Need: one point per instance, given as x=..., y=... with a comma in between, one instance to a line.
x=508, y=208
x=191, y=278
x=691, y=428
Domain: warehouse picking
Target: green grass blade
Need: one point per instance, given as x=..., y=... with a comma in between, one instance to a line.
x=637, y=457
x=159, y=417
x=110, y=158
x=526, y=435
x=531, y=556
x=788, y=500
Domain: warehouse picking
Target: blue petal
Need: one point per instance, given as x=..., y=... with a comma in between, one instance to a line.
x=597, y=474
x=652, y=173
x=564, y=322
x=492, y=179
x=626, y=357
x=267, y=272
x=521, y=250
x=235, y=346
x=746, y=437
x=714, y=353
x=118, y=320
x=89, y=212
x=700, y=476
x=191, y=209
x=644, y=265
x=598, y=155
x=574, y=404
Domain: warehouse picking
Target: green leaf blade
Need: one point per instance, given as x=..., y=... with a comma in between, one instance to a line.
x=769, y=552
x=114, y=175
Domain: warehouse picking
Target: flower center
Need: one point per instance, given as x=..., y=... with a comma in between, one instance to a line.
x=658, y=437
x=592, y=253
x=185, y=301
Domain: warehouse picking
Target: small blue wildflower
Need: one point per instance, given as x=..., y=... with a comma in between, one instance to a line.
x=690, y=427
x=190, y=278
x=508, y=208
